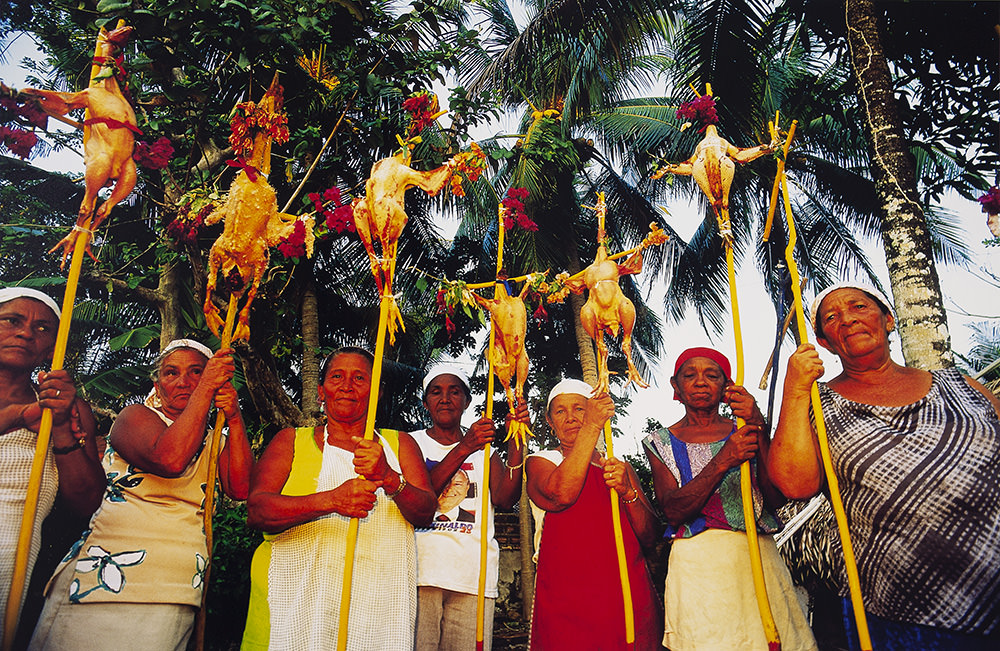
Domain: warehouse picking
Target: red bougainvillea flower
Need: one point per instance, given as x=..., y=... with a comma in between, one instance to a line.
x=184, y=229
x=513, y=201
x=155, y=156
x=700, y=111
x=29, y=112
x=18, y=141
x=991, y=201
x=423, y=109
x=294, y=246
x=338, y=220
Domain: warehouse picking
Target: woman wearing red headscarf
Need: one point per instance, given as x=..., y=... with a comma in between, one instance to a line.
x=709, y=599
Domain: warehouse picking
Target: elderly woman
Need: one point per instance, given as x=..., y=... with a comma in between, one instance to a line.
x=710, y=601
x=917, y=459
x=448, y=552
x=142, y=562
x=28, y=323
x=578, y=595
x=306, y=488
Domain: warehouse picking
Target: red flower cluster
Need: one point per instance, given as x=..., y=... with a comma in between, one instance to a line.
x=18, y=141
x=341, y=218
x=422, y=107
x=515, y=215
x=29, y=111
x=294, y=246
x=448, y=310
x=155, y=156
x=991, y=201
x=700, y=111
x=184, y=229
x=248, y=121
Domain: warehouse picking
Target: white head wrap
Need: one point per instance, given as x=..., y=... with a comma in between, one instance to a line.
x=868, y=289
x=153, y=398
x=10, y=293
x=569, y=386
x=446, y=369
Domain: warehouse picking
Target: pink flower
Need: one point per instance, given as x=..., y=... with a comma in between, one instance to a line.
x=700, y=111
x=155, y=156
x=991, y=201
x=18, y=141
x=294, y=246
x=514, y=203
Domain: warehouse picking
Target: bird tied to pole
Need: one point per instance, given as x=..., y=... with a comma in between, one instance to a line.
x=251, y=225
x=606, y=310
x=713, y=166
x=850, y=563
x=379, y=217
x=108, y=128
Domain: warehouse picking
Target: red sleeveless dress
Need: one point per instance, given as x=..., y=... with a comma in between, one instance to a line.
x=578, y=595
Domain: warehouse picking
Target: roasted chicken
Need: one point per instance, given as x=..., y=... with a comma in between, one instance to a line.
x=252, y=225
x=607, y=307
x=109, y=129
x=713, y=167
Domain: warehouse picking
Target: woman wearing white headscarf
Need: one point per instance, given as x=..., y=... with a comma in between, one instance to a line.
x=144, y=557
x=578, y=595
x=28, y=323
x=917, y=458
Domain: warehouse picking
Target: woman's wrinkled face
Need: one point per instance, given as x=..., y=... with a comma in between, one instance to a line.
x=565, y=416
x=27, y=333
x=700, y=383
x=346, y=388
x=179, y=375
x=446, y=400
x=852, y=323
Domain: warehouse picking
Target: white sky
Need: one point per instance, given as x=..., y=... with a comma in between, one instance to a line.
x=965, y=293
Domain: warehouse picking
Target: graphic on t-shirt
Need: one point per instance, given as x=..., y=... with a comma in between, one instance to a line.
x=461, y=489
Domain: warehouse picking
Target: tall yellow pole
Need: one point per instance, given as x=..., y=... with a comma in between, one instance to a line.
x=620, y=549
x=746, y=488
x=213, y=471
x=850, y=564
x=17, y=582
x=487, y=452
x=352, y=530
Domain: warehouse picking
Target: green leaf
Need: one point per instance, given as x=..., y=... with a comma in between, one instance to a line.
x=109, y=6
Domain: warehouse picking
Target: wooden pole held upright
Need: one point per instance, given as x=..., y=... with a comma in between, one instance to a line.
x=850, y=564
x=19, y=576
x=213, y=471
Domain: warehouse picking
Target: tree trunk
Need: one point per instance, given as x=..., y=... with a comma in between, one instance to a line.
x=588, y=358
x=169, y=291
x=923, y=325
x=310, y=346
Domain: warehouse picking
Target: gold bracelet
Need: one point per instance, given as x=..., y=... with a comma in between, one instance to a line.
x=399, y=489
x=634, y=498
x=513, y=468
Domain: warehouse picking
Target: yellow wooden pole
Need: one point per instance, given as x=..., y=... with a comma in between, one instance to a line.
x=352, y=530
x=213, y=471
x=850, y=564
x=487, y=452
x=749, y=517
x=620, y=549
x=17, y=582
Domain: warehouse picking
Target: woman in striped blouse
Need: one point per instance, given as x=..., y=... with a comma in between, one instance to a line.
x=917, y=457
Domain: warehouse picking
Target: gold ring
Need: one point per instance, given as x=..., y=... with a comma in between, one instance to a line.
x=58, y=391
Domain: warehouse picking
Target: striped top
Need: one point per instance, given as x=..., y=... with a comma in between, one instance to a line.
x=921, y=488
x=724, y=508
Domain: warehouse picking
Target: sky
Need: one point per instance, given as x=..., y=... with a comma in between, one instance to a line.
x=965, y=292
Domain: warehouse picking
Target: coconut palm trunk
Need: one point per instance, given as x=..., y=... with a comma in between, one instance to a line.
x=923, y=325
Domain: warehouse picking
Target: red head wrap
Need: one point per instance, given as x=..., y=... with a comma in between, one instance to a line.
x=709, y=353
